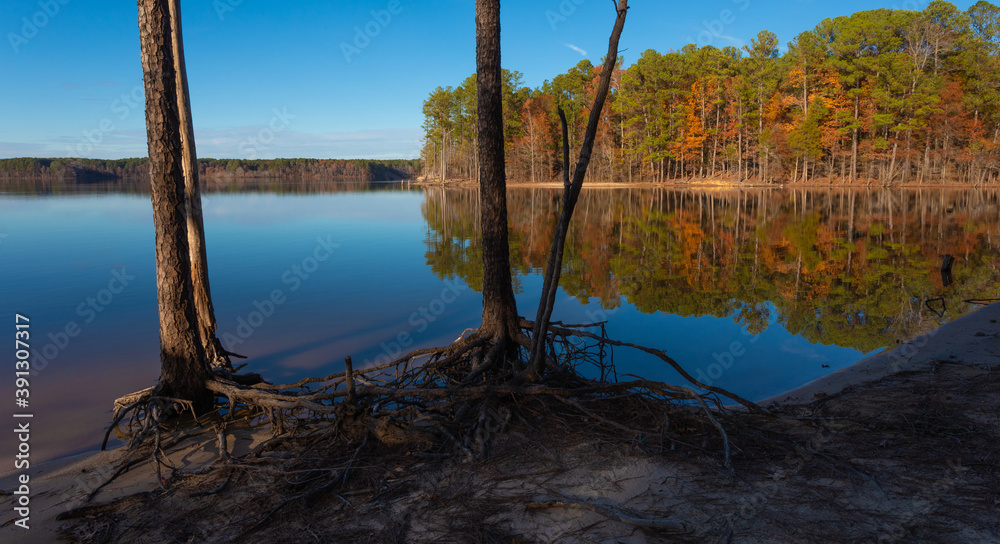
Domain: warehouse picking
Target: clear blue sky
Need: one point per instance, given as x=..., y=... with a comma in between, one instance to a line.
x=69, y=66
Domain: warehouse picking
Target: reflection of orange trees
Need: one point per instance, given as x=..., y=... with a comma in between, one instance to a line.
x=852, y=268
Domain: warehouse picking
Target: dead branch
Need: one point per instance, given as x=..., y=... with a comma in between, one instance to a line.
x=662, y=355
x=571, y=192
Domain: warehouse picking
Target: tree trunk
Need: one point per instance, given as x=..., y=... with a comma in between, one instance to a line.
x=183, y=368
x=715, y=140
x=892, y=164
x=739, y=145
x=500, y=317
x=214, y=351
x=854, y=144
x=571, y=192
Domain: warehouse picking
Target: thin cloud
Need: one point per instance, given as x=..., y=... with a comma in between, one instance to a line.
x=731, y=39
x=575, y=48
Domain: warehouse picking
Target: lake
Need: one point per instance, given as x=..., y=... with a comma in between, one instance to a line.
x=758, y=291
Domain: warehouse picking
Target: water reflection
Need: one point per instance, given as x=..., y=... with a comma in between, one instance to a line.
x=853, y=268
x=780, y=272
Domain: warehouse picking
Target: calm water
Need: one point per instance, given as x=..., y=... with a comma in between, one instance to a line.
x=756, y=291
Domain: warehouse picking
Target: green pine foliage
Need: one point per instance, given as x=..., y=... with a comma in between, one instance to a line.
x=881, y=96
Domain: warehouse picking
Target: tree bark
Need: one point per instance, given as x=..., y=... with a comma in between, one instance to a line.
x=183, y=368
x=214, y=352
x=500, y=317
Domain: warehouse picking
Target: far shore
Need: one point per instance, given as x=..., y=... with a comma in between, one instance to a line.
x=213, y=180
x=699, y=184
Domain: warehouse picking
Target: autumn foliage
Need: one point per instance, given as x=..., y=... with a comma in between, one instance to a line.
x=882, y=96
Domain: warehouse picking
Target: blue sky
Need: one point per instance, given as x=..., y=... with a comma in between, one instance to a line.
x=295, y=79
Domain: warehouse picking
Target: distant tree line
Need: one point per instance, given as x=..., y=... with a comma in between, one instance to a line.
x=879, y=96
x=96, y=170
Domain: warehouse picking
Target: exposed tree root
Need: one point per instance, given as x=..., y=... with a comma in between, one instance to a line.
x=912, y=456
x=460, y=396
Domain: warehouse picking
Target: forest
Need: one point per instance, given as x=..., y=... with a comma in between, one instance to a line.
x=882, y=96
x=101, y=170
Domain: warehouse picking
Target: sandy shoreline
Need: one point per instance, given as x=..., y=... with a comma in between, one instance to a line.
x=59, y=485
x=972, y=337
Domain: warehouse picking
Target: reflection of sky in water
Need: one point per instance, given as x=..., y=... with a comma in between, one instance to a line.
x=63, y=250
x=716, y=351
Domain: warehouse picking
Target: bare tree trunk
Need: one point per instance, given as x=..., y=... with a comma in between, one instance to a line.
x=214, y=351
x=892, y=164
x=925, y=168
x=183, y=367
x=571, y=193
x=739, y=145
x=500, y=317
x=854, y=144
x=715, y=140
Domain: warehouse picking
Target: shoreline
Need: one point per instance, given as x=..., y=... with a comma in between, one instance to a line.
x=972, y=341
x=965, y=337
x=699, y=184
x=885, y=363
x=875, y=367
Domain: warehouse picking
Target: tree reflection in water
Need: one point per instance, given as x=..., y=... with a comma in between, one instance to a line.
x=852, y=268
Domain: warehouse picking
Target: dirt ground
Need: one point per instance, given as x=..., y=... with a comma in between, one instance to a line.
x=903, y=447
